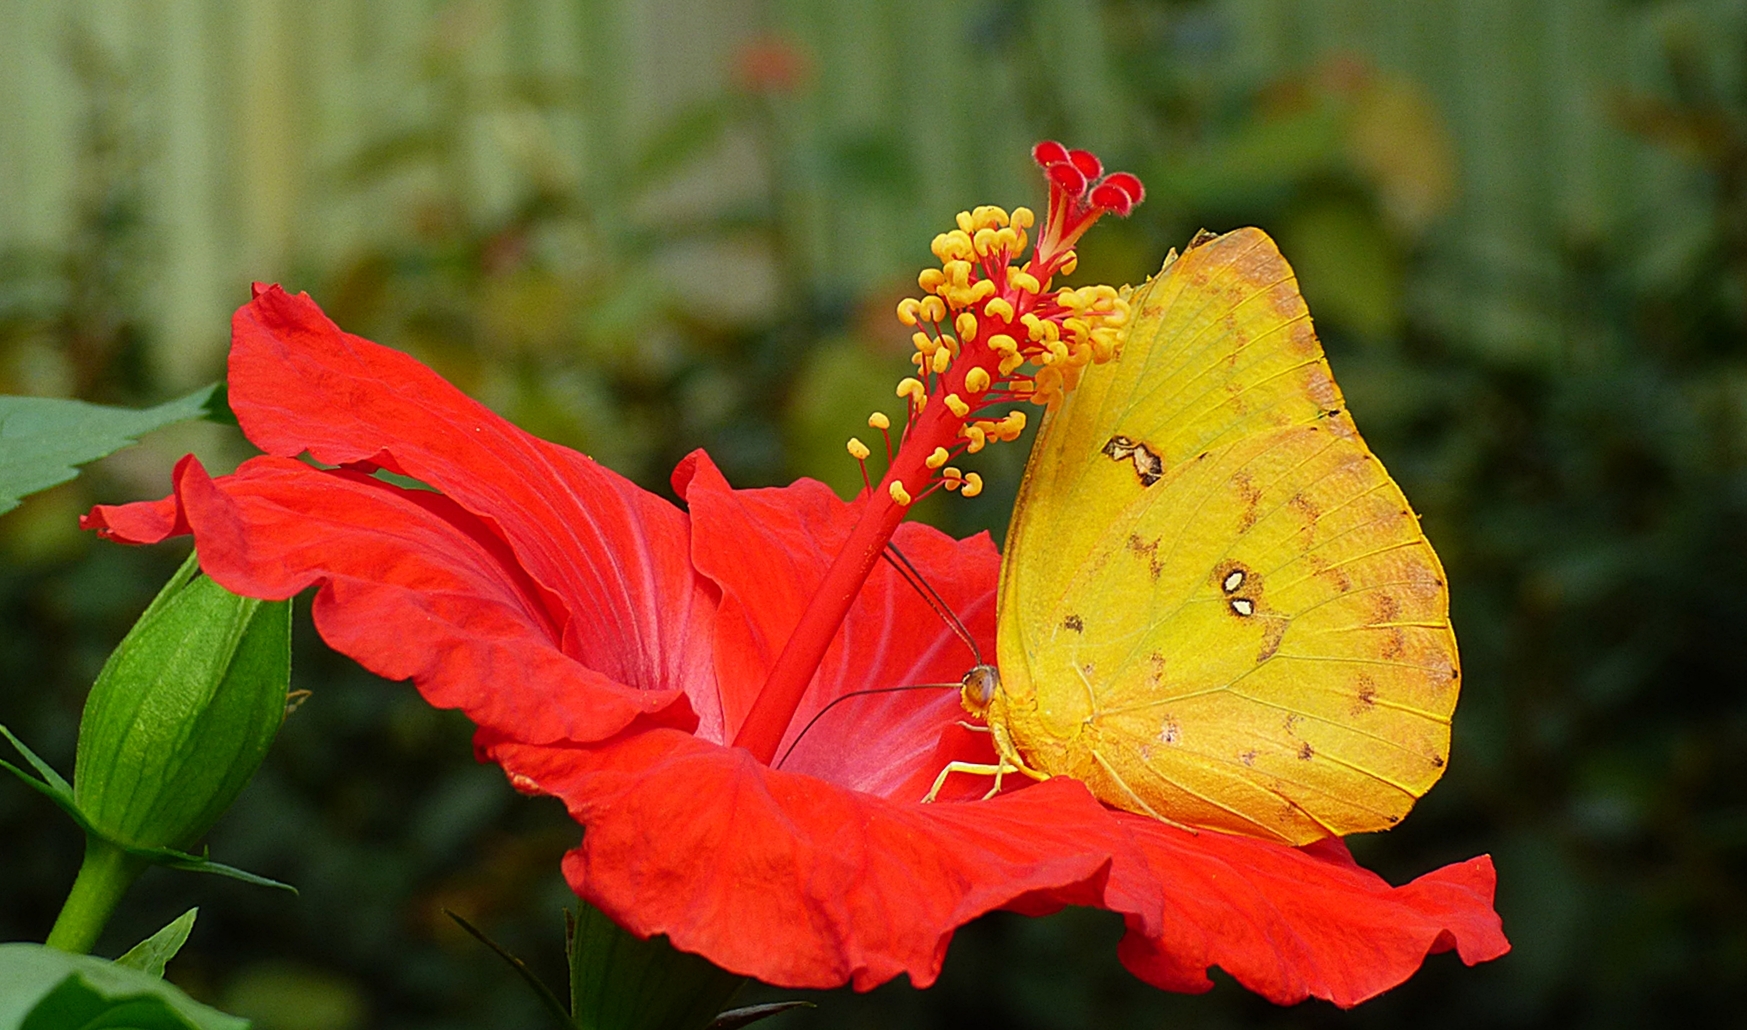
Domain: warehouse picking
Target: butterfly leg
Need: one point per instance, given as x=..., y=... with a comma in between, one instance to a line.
x=1000, y=771
x=974, y=727
x=972, y=768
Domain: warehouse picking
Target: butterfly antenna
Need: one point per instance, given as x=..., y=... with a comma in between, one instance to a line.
x=895, y=558
x=854, y=693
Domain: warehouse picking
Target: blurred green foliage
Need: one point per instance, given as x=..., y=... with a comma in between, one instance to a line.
x=1553, y=365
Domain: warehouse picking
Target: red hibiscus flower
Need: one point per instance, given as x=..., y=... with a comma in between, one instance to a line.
x=654, y=668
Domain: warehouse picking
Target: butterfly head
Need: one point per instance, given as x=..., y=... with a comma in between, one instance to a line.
x=978, y=689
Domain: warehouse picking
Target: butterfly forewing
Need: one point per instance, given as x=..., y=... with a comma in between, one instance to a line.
x=1216, y=606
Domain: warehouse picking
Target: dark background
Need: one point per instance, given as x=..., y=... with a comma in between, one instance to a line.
x=644, y=227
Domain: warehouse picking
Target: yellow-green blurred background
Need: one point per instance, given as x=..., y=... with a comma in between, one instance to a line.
x=645, y=226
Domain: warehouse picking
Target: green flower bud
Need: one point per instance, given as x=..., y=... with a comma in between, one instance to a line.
x=182, y=713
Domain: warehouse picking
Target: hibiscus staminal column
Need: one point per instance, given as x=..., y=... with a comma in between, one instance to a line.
x=989, y=332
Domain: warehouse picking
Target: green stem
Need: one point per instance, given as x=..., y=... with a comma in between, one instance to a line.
x=104, y=877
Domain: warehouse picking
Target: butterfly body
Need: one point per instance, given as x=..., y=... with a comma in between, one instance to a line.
x=1216, y=608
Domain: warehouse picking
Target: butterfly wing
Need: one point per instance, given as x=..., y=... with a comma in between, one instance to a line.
x=1216, y=606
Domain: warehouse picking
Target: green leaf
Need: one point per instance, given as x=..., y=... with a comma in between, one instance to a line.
x=45, y=989
x=155, y=952
x=43, y=439
x=618, y=982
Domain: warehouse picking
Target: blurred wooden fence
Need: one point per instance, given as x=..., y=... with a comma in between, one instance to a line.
x=255, y=115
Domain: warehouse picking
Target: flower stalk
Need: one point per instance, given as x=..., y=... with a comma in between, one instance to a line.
x=104, y=876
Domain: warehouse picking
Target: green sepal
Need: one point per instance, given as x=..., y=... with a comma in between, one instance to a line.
x=151, y=955
x=734, y=1019
x=45, y=989
x=621, y=982
x=548, y=999
x=54, y=787
x=182, y=713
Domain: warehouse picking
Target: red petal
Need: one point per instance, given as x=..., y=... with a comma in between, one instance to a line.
x=1049, y=152
x=767, y=551
x=1087, y=162
x=412, y=586
x=1293, y=923
x=614, y=555
x=802, y=883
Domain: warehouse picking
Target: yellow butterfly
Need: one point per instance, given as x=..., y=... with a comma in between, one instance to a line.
x=1216, y=608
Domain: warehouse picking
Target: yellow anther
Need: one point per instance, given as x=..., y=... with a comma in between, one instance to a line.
x=930, y=279
x=925, y=343
x=976, y=380
x=1023, y=280
x=1001, y=343
x=1022, y=218
x=1010, y=363
x=912, y=389
x=973, y=484
x=920, y=361
x=1046, y=385
x=958, y=272
x=1071, y=262
x=957, y=405
x=933, y=309
x=858, y=450
x=981, y=290
x=908, y=309
x=964, y=221
x=941, y=361
x=976, y=436
x=966, y=324
x=878, y=420
x=1033, y=326
x=899, y=494
x=999, y=308
x=937, y=458
x=984, y=242
x=950, y=344
x=1058, y=351
x=1013, y=425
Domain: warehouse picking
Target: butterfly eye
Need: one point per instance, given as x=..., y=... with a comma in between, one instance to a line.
x=980, y=685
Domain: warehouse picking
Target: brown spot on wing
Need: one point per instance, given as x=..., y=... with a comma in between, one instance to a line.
x=1155, y=668
x=1075, y=623
x=1367, y=697
x=1150, y=550
x=1252, y=499
x=1306, y=753
x=1271, y=637
x=1148, y=466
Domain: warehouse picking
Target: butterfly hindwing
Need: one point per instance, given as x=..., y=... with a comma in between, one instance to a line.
x=1216, y=605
